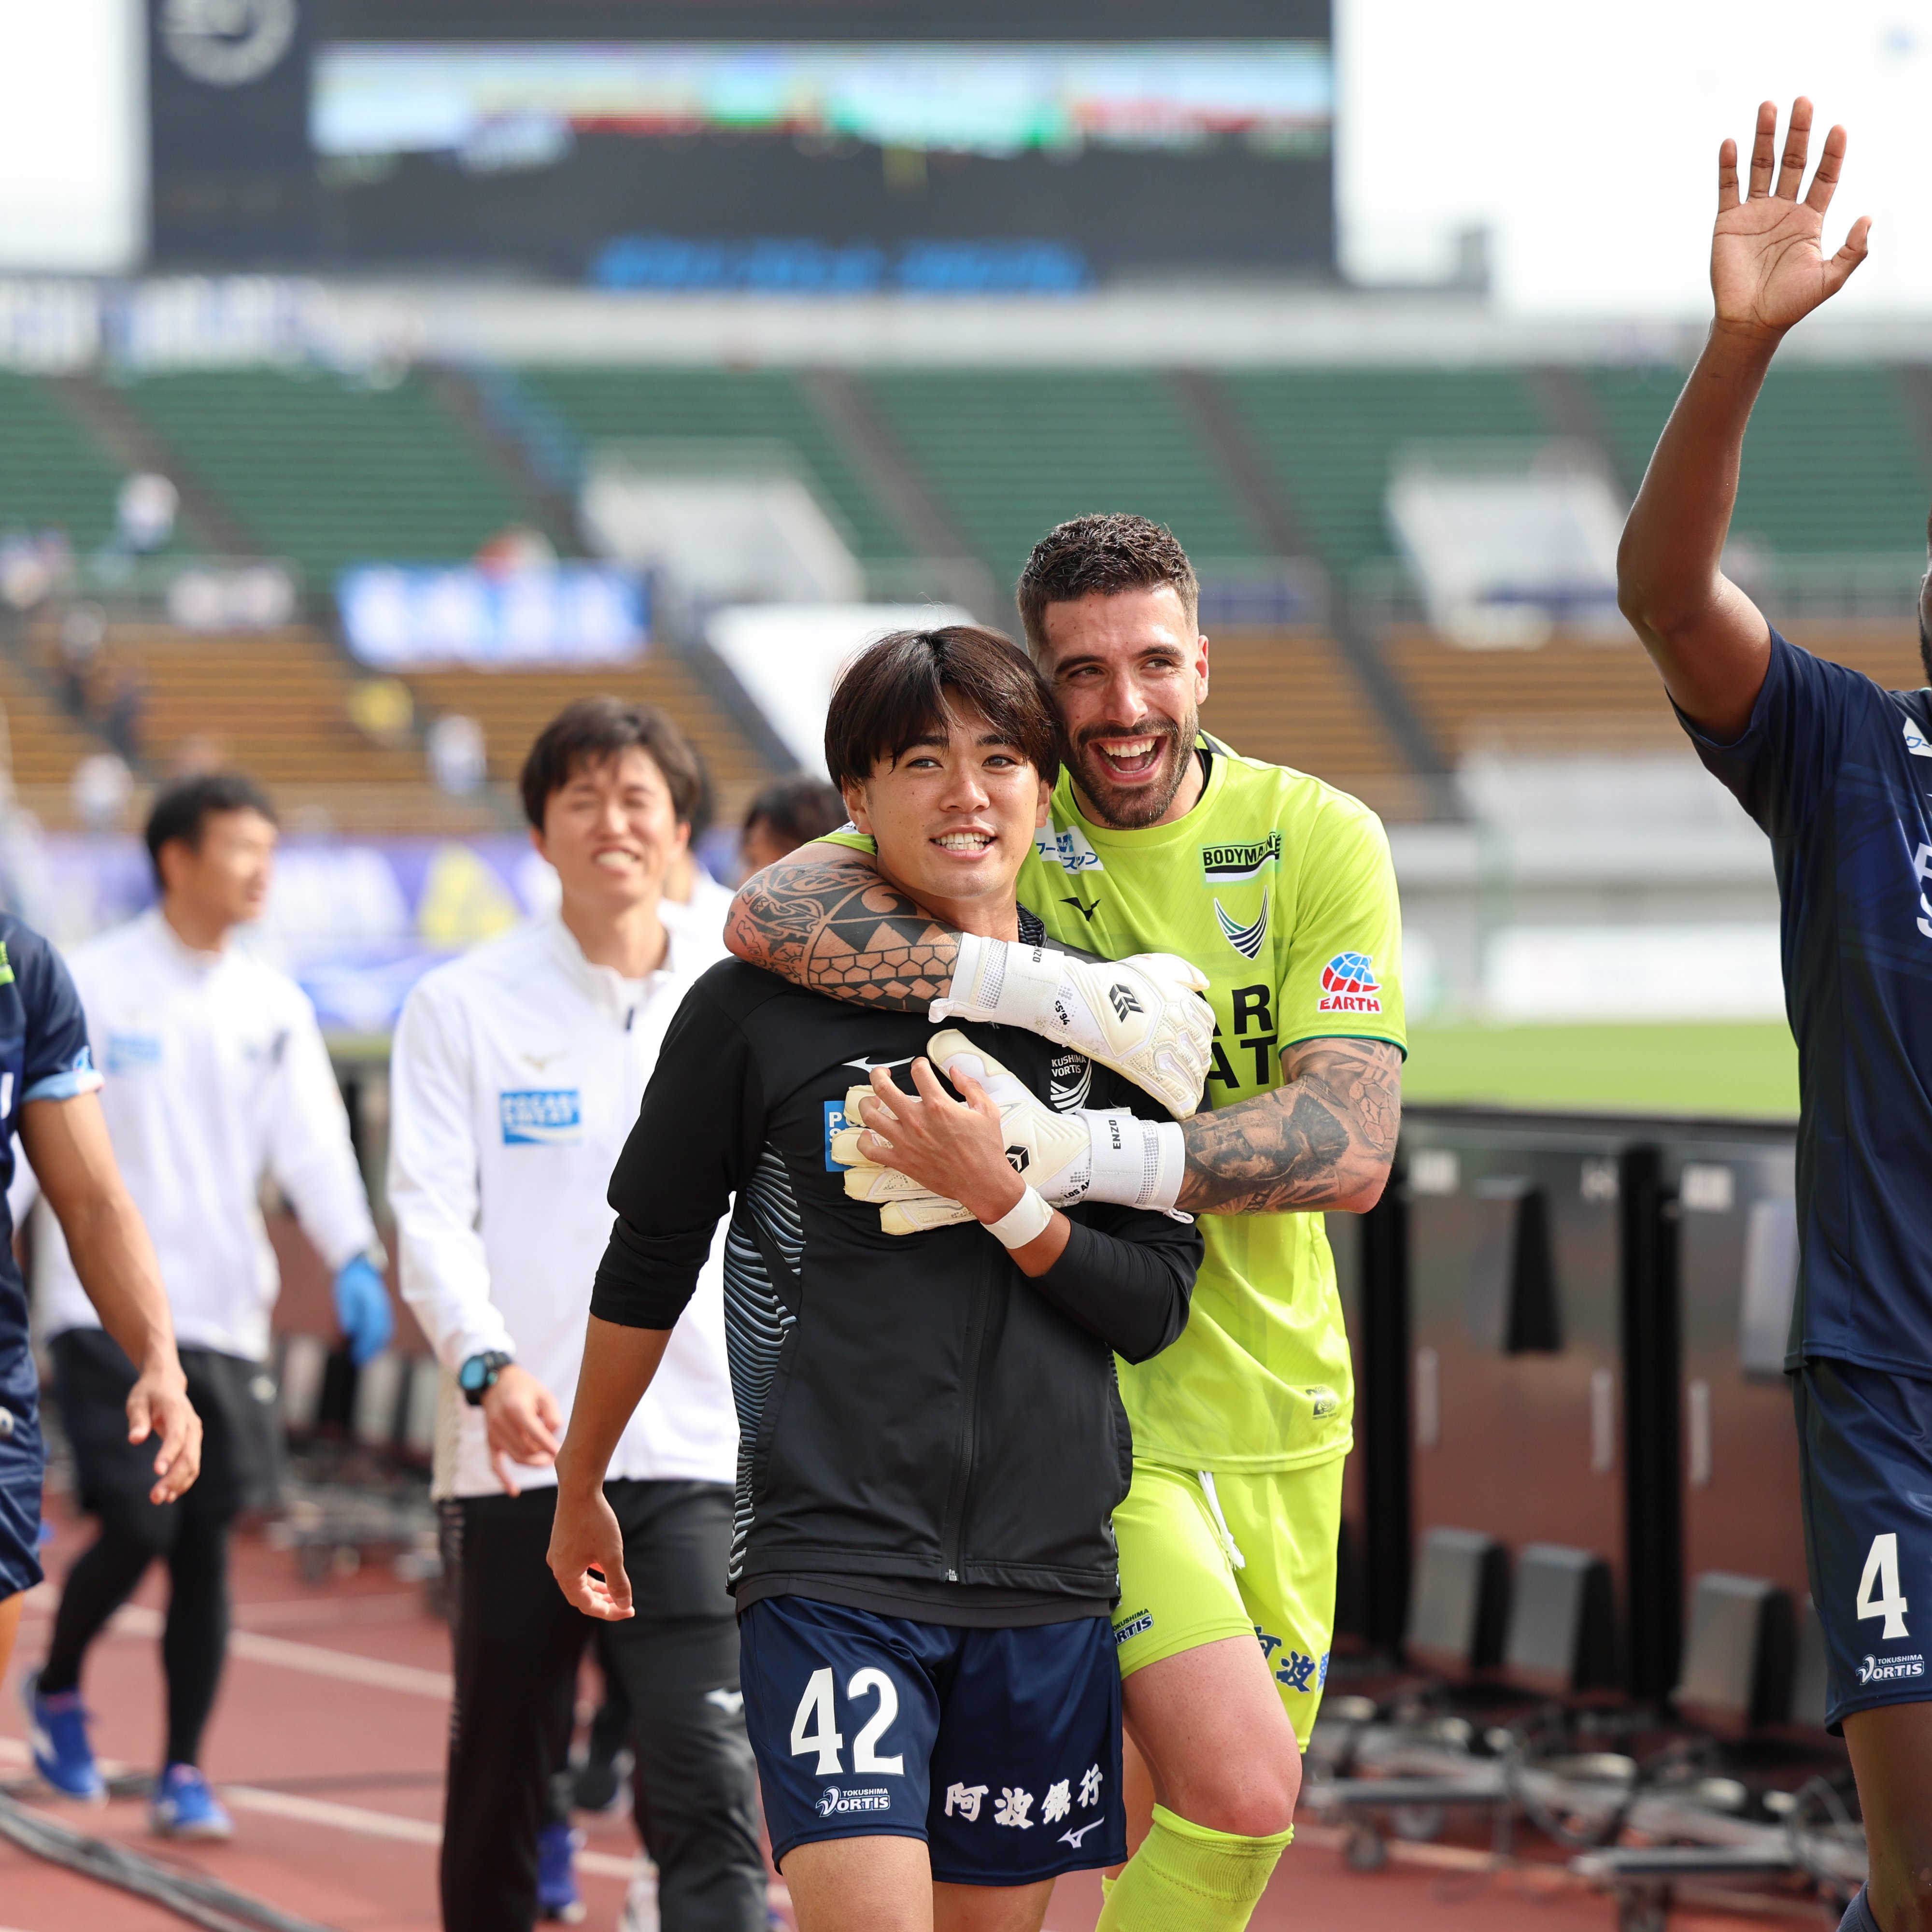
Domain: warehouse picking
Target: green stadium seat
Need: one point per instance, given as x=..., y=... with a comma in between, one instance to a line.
x=53, y=475
x=595, y=405
x=329, y=473
x=1011, y=453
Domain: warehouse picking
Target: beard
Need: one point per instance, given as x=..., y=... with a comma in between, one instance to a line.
x=1130, y=808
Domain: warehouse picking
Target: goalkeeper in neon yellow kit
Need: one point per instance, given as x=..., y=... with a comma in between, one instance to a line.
x=1277, y=892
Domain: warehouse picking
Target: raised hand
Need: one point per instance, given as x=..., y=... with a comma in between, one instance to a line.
x=1768, y=268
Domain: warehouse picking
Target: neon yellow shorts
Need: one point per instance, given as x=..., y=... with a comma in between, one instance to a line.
x=1204, y=1557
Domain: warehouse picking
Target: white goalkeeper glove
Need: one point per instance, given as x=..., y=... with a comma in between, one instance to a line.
x=1090, y=1156
x=904, y=1206
x=1143, y=1017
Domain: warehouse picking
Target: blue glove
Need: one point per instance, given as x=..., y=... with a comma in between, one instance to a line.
x=362, y=1307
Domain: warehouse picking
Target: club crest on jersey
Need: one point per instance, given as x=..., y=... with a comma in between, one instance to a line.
x=1236, y=861
x=1349, y=985
x=1247, y=941
x=1072, y=1075
x=1067, y=847
x=1916, y=742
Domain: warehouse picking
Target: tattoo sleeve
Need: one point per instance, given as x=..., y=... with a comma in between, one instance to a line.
x=831, y=922
x=1324, y=1138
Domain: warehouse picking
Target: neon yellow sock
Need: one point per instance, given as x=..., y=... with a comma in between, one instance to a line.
x=1107, y=1885
x=1187, y=1878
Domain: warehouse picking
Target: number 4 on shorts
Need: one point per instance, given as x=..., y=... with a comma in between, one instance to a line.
x=1881, y=1574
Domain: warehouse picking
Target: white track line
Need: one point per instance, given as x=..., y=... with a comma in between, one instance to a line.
x=347, y=1667
x=381, y=1824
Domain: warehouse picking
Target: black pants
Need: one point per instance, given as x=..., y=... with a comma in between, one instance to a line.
x=518, y=1642
x=235, y=1398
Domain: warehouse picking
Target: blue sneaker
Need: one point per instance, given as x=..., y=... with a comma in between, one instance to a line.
x=557, y=1896
x=62, y=1756
x=184, y=1807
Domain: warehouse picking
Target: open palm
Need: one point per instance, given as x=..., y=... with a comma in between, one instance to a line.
x=1768, y=267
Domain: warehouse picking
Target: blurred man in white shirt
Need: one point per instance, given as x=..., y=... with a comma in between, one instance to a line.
x=517, y=1074
x=216, y=1076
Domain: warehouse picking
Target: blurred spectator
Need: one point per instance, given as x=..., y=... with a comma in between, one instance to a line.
x=31, y=568
x=383, y=710
x=144, y=512
x=127, y=710
x=102, y=785
x=457, y=760
x=694, y=901
x=83, y=632
x=787, y=814
x=519, y=548
x=196, y=755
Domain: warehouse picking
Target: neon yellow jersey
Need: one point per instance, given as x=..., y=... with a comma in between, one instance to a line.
x=1280, y=888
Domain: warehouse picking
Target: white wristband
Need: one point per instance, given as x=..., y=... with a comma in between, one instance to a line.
x=1137, y=1163
x=1026, y=1220
x=1001, y=980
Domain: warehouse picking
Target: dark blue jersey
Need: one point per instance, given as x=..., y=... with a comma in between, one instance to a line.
x=43, y=1056
x=1839, y=773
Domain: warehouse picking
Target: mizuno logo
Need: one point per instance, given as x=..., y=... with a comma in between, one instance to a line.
x=1073, y=1838
x=866, y=1065
x=1247, y=941
x=729, y=1702
x=1123, y=1000
x=1085, y=912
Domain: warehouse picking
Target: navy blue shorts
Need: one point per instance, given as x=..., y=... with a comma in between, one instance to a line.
x=22, y=1465
x=1000, y=1748
x=1864, y=1447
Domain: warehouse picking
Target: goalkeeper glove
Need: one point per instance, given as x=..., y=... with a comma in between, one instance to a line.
x=1089, y=1156
x=362, y=1307
x=904, y=1206
x=1143, y=1017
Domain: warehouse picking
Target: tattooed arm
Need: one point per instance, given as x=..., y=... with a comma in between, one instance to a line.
x=824, y=918
x=1324, y=1138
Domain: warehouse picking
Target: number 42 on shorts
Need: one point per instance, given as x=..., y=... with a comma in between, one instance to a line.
x=1878, y=1593
x=815, y=1708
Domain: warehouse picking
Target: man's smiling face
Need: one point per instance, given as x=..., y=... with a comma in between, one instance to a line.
x=1129, y=674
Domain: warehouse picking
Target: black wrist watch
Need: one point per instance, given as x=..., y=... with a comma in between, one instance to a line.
x=478, y=1376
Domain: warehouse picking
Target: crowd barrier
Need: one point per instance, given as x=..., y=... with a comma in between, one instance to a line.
x=1576, y=1470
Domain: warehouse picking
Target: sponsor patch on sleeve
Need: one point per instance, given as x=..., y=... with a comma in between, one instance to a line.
x=541, y=1117
x=1349, y=985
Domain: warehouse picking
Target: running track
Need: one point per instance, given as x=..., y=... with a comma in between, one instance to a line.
x=327, y=1745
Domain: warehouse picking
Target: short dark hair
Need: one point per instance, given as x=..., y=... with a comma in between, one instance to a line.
x=800, y=807
x=1925, y=606
x=182, y=810
x=1108, y=554
x=898, y=691
x=593, y=730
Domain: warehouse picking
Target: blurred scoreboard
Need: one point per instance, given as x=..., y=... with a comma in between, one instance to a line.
x=928, y=146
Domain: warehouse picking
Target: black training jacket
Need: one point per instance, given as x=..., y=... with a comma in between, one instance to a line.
x=913, y=1407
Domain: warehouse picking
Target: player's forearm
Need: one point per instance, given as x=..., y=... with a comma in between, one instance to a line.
x=618, y=1365
x=1325, y=1139
x=114, y=1259
x=1669, y=574
x=824, y=918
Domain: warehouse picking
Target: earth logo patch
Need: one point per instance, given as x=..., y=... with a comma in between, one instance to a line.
x=1349, y=985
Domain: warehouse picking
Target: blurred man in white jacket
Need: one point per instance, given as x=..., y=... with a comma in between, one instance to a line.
x=216, y=1076
x=517, y=1074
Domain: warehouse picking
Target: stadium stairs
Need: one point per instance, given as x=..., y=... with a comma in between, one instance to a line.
x=966, y=467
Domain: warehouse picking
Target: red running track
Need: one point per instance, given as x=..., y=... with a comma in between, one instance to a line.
x=327, y=1745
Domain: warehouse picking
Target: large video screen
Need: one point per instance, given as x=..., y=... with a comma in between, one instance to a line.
x=920, y=145
x=933, y=166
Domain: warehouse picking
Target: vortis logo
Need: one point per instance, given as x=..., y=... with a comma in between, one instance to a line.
x=1349, y=985
x=1123, y=1001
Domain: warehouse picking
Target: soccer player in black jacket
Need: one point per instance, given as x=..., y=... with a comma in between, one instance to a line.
x=922, y=1350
